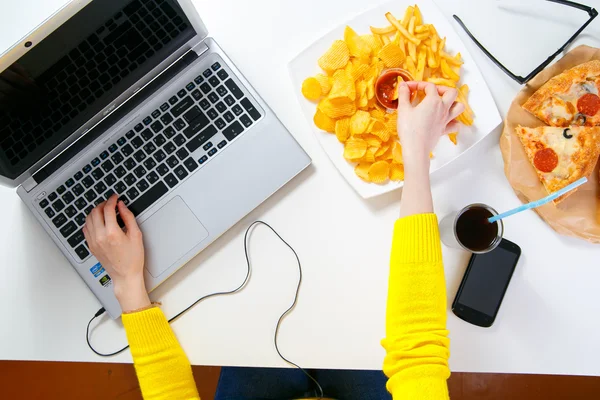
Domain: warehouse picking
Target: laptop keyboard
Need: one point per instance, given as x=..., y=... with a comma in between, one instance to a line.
x=146, y=162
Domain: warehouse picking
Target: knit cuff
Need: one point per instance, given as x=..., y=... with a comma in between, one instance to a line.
x=416, y=239
x=148, y=331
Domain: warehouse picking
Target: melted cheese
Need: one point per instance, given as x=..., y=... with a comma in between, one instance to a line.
x=564, y=148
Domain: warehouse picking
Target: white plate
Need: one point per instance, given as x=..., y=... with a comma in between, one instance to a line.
x=480, y=99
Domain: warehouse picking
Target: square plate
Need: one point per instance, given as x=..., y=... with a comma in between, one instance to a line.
x=480, y=99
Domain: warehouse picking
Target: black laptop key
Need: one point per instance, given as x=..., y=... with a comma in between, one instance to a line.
x=148, y=198
x=190, y=86
x=68, y=198
x=215, y=66
x=214, y=81
x=171, y=161
x=202, y=159
x=220, y=123
x=234, y=89
x=169, y=147
x=162, y=169
x=59, y=220
x=233, y=130
x=222, y=91
x=212, y=152
x=192, y=114
x=70, y=211
x=139, y=156
x=98, y=201
x=80, y=219
x=249, y=107
x=139, y=171
x=197, y=95
x=207, y=146
x=90, y=195
x=179, y=140
x=127, y=150
x=182, y=106
x=82, y=252
x=181, y=93
x=152, y=177
x=173, y=100
x=87, y=169
x=147, y=121
x=159, y=155
x=199, y=79
x=88, y=209
x=171, y=180
x=205, y=87
x=113, y=147
x=70, y=182
x=61, y=189
x=212, y=113
x=108, y=193
x=156, y=127
x=179, y=124
x=223, y=74
x=205, y=104
x=149, y=164
x=164, y=107
x=78, y=175
x=120, y=187
x=181, y=172
x=207, y=73
x=147, y=133
x=58, y=205
x=120, y=171
x=97, y=173
x=166, y=119
x=44, y=203
x=229, y=100
x=107, y=166
x=137, y=142
x=222, y=144
x=237, y=110
x=155, y=114
x=201, y=138
x=196, y=125
x=221, y=107
x=149, y=148
x=49, y=212
x=190, y=164
x=68, y=229
x=117, y=158
x=121, y=141
x=246, y=120
x=169, y=132
x=88, y=181
x=137, y=128
x=142, y=185
x=159, y=140
x=104, y=155
x=228, y=116
x=132, y=193
x=76, y=238
x=95, y=162
x=80, y=203
x=130, y=179
x=213, y=97
x=100, y=187
x=182, y=153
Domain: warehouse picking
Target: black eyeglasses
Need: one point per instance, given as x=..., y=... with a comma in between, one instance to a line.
x=591, y=12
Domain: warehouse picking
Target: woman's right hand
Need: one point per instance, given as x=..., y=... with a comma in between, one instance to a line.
x=421, y=126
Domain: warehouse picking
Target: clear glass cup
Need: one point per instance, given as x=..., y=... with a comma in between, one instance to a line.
x=451, y=238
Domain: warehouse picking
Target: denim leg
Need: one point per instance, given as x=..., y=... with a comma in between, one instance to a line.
x=353, y=384
x=239, y=383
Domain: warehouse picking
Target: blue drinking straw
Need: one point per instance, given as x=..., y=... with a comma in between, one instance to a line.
x=540, y=202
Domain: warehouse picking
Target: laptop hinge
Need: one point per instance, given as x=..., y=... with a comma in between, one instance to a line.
x=200, y=48
x=29, y=184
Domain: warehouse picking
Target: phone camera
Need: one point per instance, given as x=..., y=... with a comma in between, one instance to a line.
x=28, y=44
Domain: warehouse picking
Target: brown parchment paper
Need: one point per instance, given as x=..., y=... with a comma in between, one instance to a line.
x=578, y=215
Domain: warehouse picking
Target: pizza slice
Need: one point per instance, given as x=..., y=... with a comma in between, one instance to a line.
x=561, y=156
x=570, y=98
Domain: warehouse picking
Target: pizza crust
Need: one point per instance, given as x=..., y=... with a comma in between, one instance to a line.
x=558, y=85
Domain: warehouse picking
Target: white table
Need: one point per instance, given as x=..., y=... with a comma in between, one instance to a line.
x=550, y=315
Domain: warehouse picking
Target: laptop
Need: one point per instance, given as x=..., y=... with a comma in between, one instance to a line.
x=132, y=97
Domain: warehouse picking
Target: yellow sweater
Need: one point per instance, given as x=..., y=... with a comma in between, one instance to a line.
x=416, y=340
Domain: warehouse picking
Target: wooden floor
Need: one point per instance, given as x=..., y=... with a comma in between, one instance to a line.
x=64, y=381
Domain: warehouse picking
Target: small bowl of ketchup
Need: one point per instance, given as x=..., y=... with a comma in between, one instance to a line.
x=387, y=85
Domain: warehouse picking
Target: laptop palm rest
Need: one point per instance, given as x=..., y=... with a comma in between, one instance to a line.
x=169, y=234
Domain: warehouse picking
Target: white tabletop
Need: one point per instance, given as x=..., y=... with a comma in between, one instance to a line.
x=550, y=315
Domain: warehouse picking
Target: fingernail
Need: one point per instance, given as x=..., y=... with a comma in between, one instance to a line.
x=403, y=84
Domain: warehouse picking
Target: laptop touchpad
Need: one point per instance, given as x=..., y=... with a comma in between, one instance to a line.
x=169, y=234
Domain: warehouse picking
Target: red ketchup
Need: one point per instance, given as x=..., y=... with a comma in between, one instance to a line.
x=386, y=86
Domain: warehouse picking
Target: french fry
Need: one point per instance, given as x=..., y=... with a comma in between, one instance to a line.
x=442, y=81
x=418, y=16
x=385, y=39
x=448, y=72
x=411, y=25
x=421, y=64
x=402, y=29
x=402, y=44
x=396, y=40
x=431, y=61
x=451, y=60
x=412, y=52
x=383, y=31
x=422, y=29
x=407, y=16
x=410, y=66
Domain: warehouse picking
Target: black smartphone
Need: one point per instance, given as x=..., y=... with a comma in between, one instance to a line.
x=484, y=284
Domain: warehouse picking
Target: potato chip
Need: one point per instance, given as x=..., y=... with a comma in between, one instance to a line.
x=361, y=93
x=385, y=156
x=452, y=137
x=336, y=57
x=373, y=41
x=354, y=149
x=379, y=172
x=343, y=89
x=311, y=89
x=325, y=83
x=372, y=140
x=342, y=129
x=371, y=88
x=383, y=31
x=323, y=122
x=396, y=172
x=391, y=55
x=358, y=71
x=397, y=153
x=362, y=170
x=382, y=150
x=370, y=154
x=336, y=110
x=359, y=122
x=357, y=47
x=377, y=128
x=378, y=113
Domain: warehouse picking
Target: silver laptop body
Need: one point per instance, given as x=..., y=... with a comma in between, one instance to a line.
x=134, y=98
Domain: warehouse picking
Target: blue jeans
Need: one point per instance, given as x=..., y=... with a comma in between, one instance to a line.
x=238, y=383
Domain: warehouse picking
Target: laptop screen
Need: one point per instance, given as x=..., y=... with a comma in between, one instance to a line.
x=78, y=70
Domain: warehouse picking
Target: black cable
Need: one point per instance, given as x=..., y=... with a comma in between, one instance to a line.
x=240, y=287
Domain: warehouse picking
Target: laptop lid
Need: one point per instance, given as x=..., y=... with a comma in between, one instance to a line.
x=82, y=63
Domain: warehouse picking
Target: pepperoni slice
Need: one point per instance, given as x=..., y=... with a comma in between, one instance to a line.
x=588, y=104
x=545, y=160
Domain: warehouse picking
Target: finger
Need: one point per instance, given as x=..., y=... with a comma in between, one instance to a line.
x=98, y=217
x=110, y=213
x=89, y=224
x=86, y=235
x=403, y=96
x=455, y=111
x=449, y=97
x=422, y=85
x=128, y=218
x=451, y=127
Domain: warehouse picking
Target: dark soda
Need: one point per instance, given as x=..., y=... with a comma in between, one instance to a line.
x=474, y=231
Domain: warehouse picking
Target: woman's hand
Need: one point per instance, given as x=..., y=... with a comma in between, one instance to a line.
x=120, y=253
x=420, y=127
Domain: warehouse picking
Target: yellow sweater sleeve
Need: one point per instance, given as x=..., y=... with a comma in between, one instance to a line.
x=416, y=343
x=162, y=367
